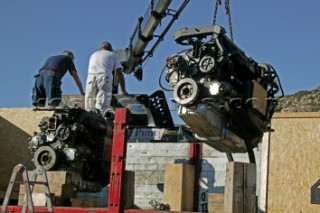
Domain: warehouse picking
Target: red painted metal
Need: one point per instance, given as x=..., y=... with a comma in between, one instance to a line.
x=118, y=158
x=12, y=209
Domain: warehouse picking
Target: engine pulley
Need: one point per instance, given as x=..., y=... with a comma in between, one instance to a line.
x=186, y=92
x=207, y=64
x=46, y=157
x=63, y=133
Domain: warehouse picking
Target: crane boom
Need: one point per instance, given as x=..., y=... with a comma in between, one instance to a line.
x=134, y=55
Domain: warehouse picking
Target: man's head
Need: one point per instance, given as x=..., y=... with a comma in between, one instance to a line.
x=106, y=46
x=68, y=53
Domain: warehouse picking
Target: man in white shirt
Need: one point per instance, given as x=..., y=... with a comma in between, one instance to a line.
x=99, y=82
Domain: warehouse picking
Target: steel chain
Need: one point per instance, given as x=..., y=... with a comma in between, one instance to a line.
x=228, y=13
x=218, y=2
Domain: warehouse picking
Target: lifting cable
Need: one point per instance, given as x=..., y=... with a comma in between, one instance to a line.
x=228, y=13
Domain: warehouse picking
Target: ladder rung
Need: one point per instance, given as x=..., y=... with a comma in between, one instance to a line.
x=37, y=182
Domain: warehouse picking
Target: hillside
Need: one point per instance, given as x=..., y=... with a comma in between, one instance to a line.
x=302, y=101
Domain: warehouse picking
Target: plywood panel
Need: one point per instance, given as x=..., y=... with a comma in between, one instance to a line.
x=16, y=126
x=215, y=203
x=179, y=186
x=249, y=191
x=39, y=199
x=294, y=162
x=234, y=187
x=240, y=188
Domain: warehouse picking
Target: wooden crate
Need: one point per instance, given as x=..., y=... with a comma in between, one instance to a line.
x=240, y=188
x=39, y=199
x=249, y=190
x=58, y=184
x=215, y=203
x=128, y=190
x=179, y=186
x=77, y=202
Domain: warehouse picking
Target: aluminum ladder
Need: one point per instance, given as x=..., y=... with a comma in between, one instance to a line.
x=29, y=185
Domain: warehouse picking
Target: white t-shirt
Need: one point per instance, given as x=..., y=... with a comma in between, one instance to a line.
x=103, y=62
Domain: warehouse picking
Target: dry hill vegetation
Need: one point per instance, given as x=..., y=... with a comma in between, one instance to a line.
x=302, y=101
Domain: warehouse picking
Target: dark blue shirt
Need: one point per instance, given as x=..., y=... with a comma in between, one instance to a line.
x=60, y=64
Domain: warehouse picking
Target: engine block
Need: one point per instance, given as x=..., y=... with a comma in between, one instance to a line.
x=227, y=98
x=72, y=139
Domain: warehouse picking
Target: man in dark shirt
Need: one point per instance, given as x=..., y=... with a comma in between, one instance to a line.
x=48, y=80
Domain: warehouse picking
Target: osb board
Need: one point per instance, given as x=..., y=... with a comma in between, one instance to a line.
x=16, y=126
x=294, y=162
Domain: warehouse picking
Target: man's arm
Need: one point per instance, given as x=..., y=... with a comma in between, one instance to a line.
x=121, y=80
x=78, y=82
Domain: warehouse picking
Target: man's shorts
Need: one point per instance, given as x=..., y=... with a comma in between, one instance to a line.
x=47, y=87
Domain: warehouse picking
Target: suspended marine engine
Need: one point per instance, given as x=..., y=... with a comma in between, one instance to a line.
x=72, y=139
x=226, y=98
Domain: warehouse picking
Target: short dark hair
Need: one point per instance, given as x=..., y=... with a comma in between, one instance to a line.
x=106, y=46
x=68, y=53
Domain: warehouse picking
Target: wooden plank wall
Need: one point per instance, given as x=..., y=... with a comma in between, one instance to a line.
x=294, y=162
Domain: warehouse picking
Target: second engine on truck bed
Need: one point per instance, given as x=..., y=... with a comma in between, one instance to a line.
x=72, y=139
x=226, y=98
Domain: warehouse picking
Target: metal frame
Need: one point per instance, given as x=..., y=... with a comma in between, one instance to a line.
x=117, y=171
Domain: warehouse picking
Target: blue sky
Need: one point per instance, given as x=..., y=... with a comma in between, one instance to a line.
x=283, y=33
